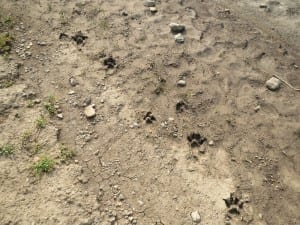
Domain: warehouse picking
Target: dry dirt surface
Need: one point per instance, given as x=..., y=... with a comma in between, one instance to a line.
x=105, y=119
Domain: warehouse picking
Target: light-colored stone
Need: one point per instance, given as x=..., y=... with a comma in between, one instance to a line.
x=181, y=83
x=179, y=38
x=90, y=111
x=273, y=84
x=153, y=9
x=60, y=116
x=196, y=217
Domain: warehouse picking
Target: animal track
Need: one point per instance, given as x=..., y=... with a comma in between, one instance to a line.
x=149, y=118
x=196, y=139
x=234, y=204
x=181, y=106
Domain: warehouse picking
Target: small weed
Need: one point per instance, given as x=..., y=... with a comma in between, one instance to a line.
x=7, y=149
x=41, y=122
x=26, y=141
x=37, y=148
x=30, y=104
x=44, y=165
x=50, y=105
x=26, y=137
x=104, y=25
x=63, y=18
x=6, y=22
x=5, y=43
x=49, y=7
x=66, y=154
x=6, y=84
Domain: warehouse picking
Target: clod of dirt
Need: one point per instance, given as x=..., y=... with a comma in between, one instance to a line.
x=149, y=118
x=79, y=38
x=110, y=62
x=149, y=3
x=234, y=204
x=177, y=28
x=195, y=139
x=181, y=106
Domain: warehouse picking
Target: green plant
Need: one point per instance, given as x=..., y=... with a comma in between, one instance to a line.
x=30, y=104
x=41, y=122
x=50, y=105
x=63, y=18
x=6, y=83
x=7, y=149
x=104, y=25
x=26, y=140
x=49, y=7
x=44, y=165
x=37, y=148
x=6, y=21
x=66, y=154
x=5, y=43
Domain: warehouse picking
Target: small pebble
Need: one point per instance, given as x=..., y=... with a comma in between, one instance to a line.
x=273, y=84
x=196, y=217
x=153, y=9
x=257, y=108
x=179, y=38
x=181, y=83
x=211, y=143
x=60, y=116
x=73, y=81
x=90, y=111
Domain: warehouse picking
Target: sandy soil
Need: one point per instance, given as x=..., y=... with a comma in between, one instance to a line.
x=127, y=63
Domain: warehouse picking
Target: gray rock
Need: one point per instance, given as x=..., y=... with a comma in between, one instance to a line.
x=273, y=84
x=196, y=217
x=177, y=28
x=90, y=111
x=181, y=83
x=73, y=81
x=179, y=38
x=149, y=3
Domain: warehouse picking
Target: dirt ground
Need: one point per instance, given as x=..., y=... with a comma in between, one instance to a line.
x=138, y=158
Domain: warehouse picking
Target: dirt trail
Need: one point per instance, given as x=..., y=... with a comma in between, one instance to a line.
x=128, y=168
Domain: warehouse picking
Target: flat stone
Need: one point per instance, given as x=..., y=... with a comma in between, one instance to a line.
x=196, y=217
x=153, y=9
x=181, y=83
x=90, y=111
x=60, y=116
x=179, y=38
x=177, y=28
x=273, y=84
x=149, y=3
